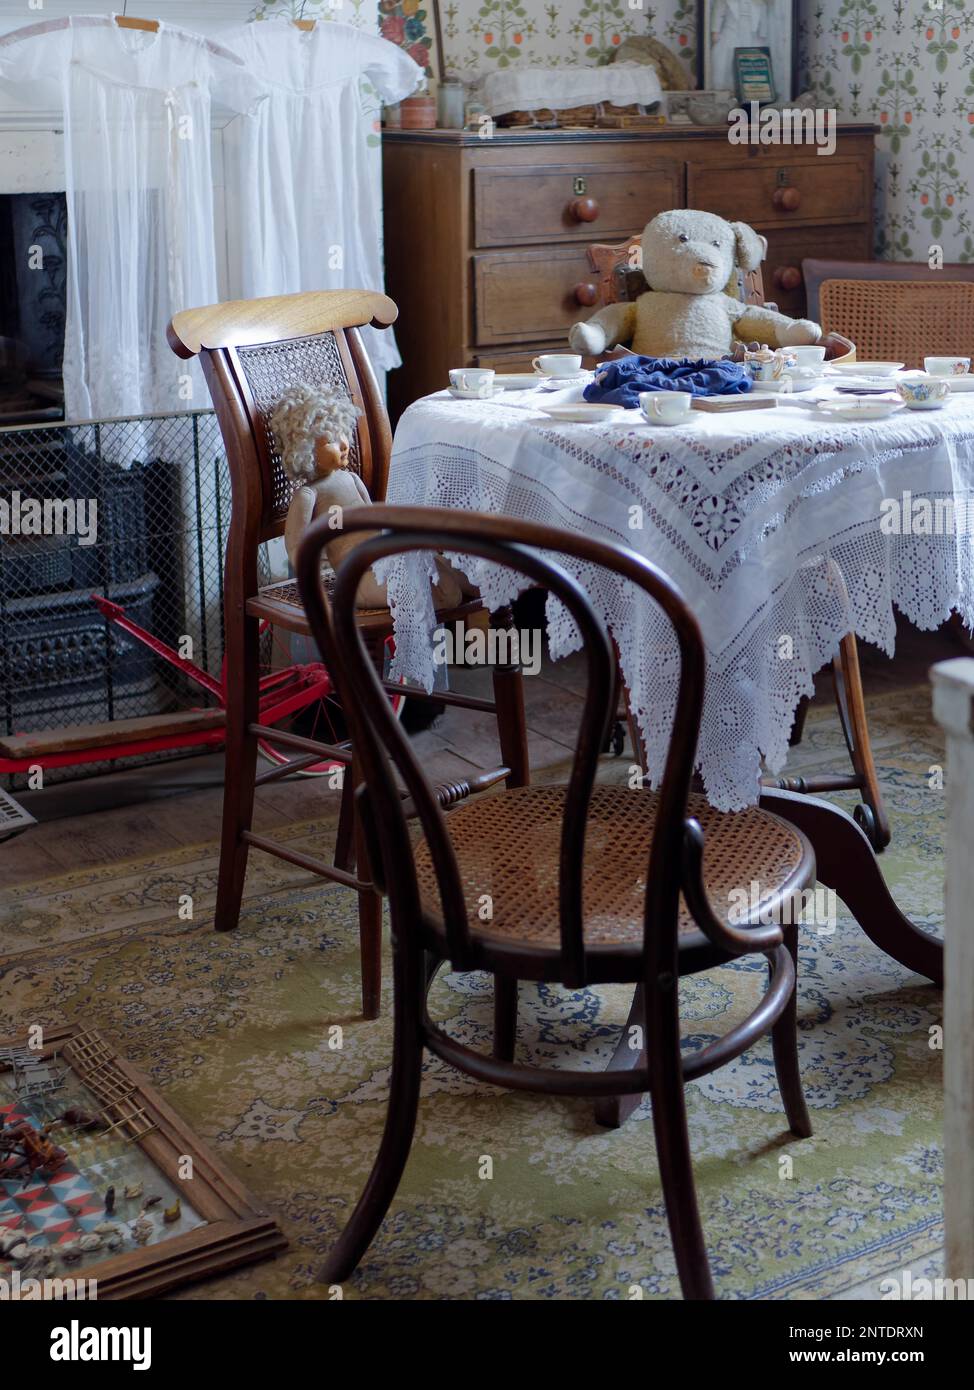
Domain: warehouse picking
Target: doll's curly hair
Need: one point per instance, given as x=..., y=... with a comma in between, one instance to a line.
x=301, y=416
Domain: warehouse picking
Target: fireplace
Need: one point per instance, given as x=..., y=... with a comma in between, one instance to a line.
x=32, y=306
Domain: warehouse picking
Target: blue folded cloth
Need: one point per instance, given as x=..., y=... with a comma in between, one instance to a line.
x=620, y=383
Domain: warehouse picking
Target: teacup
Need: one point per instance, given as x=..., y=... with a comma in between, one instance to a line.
x=923, y=392
x=558, y=364
x=806, y=356
x=665, y=407
x=947, y=366
x=472, y=381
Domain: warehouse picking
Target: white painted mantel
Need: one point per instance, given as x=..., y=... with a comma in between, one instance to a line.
x=953, y=703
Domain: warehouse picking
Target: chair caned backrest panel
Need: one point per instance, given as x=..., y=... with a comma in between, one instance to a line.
x=270, y=369
x=901, y=320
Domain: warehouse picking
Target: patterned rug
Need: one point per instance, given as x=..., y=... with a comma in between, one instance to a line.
x=511, y=1196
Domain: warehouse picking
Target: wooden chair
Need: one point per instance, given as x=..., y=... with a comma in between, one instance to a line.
x=585, y=884
x=901, y=320
x=815, y=271
x=251, y=351
x=619, y=276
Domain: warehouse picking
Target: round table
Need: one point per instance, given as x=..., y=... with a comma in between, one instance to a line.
x=784, y=528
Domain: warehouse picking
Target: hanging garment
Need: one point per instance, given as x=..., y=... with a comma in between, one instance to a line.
x=139, y=188
x=303, y=180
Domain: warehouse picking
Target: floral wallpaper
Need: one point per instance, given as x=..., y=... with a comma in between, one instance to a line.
x=908, y=65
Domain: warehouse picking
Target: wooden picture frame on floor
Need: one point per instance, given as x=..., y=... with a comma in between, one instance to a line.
x=198, y=1220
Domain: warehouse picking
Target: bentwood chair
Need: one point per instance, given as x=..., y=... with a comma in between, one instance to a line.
x=585, y=884
x=251, y=351
x=902, y=320
x=617, y=276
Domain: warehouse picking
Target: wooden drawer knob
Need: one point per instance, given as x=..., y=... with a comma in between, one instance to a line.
x=786, y=198
x=787, y=277
x=586, y=294
x=583, y=209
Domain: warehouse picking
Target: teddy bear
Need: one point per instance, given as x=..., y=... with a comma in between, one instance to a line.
x=688, y=258
x=312, y=427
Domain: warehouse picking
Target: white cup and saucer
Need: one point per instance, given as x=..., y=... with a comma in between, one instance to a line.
x=471, y=383
x=667, y=407
x=557, y=369
x=956, y=370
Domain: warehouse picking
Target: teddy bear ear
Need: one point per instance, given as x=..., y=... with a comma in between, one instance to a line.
x=751, y=246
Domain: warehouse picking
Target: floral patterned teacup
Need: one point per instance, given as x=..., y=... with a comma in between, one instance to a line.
x=947, y=366
x=923, y=391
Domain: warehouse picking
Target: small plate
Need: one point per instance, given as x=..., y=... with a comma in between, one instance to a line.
x=581, y=412
x=555, y=383
x=516, y=381
x=961, y=383
x=866, y=408
x=693, y=418
x=865, y=368
x=473, y=395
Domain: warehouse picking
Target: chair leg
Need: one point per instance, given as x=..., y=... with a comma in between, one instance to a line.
x=673, y=1147
x=397, y=1137
x=512, y=731
x=505, y=1017
x=240, y=769
x=849, y=699
x=369, y=929
x=798, y=727
x=345, y=834
x=784, y=1044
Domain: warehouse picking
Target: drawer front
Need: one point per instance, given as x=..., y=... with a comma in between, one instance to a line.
x=827, y=188
x=527, y=296
x=788, y=247
x=513, y=205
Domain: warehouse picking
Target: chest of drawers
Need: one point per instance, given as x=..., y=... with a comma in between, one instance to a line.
x=485, y=240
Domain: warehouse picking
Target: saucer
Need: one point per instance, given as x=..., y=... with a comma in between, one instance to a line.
x=868, y=369
x=581, y=412
x=555, y=383
x=691, y=418
x=459, y=395
x=865, y=408
x=516, y=381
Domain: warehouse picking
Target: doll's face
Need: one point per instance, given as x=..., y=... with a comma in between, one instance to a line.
x=330, y=454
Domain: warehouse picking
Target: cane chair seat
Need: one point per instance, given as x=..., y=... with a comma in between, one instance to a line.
x=507, y=846
x=281, y=604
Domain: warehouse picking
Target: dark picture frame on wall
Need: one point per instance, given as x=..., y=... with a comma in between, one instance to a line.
x=724, y=27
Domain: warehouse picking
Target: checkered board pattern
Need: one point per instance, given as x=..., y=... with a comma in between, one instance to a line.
x=46, y=1211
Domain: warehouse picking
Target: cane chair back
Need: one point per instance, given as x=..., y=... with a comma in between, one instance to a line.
x=251, y=352
x=533, y=551
x=901, y=320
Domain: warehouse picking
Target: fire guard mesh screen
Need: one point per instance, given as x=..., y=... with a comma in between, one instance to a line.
x=138, y=511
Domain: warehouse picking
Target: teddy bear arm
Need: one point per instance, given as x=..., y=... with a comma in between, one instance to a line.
x=616, y=323
x=756, y=323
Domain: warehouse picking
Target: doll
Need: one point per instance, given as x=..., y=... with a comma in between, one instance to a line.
x=312, y=427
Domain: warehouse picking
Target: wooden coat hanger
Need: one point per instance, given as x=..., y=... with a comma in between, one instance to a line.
x=149, y=26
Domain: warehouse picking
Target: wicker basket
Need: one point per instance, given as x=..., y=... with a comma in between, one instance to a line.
x=569, y=116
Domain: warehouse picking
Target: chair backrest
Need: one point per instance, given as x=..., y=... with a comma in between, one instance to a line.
x=252, y=351
x=619, y=275
x=816, y=271
x=534, y=551
x=901, y=320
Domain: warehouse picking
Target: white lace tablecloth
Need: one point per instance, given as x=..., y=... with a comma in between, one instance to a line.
x=757, y=517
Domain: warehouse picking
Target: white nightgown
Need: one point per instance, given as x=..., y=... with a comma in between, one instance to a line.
x=303, y=195
x=139, y=186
